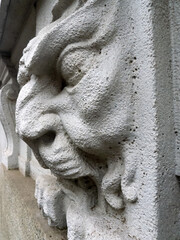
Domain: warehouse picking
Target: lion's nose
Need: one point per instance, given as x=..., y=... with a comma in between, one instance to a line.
x=37, y=130
x=32, y=126
x=34, y=113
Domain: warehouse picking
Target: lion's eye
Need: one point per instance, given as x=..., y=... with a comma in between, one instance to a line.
x=73, y=65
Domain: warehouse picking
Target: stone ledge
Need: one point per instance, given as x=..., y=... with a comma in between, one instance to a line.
x=20, y=218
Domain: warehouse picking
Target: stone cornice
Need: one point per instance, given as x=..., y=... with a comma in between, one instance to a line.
x=10, y=29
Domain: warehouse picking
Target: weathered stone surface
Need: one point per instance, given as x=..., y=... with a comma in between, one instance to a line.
x=175, y=32
x=96, y=108
x=75, y=112
x=51, y=199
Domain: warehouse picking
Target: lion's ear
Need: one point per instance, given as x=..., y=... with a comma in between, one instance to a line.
x=64, y=8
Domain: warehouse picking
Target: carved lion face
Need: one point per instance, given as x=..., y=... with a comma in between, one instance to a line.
x=74, y=105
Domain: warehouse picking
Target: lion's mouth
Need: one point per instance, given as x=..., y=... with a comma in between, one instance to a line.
x=54, y=150
x=49, y=137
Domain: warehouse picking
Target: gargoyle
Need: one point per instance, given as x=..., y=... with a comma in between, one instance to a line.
x=74, y=111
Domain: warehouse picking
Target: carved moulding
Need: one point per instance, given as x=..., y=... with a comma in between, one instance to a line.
x=74, y=111
x=8, y=96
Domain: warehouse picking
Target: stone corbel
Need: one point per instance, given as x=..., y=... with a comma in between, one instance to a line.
x=8, y=96
x=84, y=137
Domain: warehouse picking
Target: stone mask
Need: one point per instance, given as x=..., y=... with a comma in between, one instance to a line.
x=74, y=108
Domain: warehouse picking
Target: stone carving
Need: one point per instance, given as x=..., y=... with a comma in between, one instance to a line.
x=51, y=197
x=75, y=111
x=8, y=95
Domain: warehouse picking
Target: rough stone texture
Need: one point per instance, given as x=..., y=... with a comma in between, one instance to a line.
x=84, y=145
x=175, y=33
x=96, y=108
x=20, y=218
x=168, y=189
